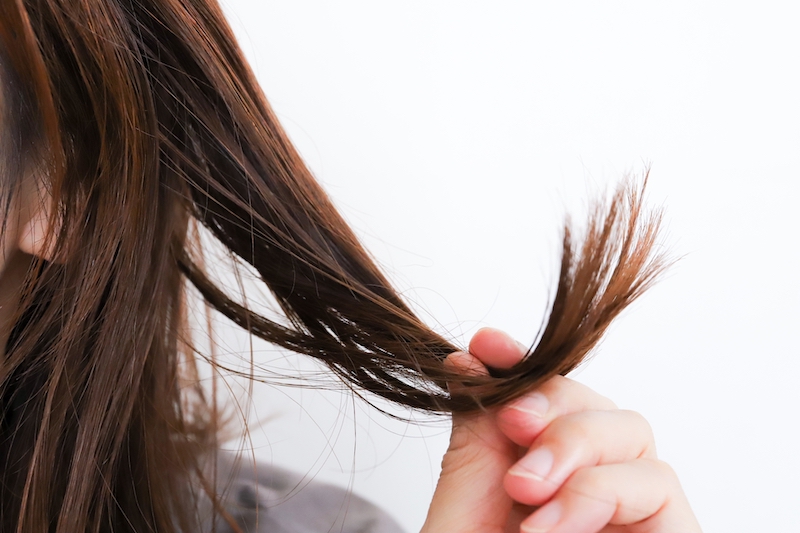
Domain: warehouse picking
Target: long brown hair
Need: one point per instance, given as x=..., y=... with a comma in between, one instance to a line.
x=144, y=116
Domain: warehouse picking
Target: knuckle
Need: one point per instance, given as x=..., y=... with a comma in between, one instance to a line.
x=571, y=394
x=606, y=403
x=639, y=421
x=600, y=402
x=644, y=430
x=665, y=471
x=572, y=434
x=587, y=482
x=572, y=428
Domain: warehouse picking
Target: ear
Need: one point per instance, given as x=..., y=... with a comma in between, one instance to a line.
x=35, y=227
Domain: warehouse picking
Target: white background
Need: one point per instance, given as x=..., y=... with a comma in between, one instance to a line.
x=455, y=135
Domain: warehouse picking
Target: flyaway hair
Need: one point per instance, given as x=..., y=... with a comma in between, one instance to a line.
x=141, y=116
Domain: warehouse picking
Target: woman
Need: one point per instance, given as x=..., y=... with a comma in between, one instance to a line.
x=126, y=123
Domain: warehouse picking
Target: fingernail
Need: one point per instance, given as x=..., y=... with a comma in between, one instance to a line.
x=535, y=404
x=536, y=465
x=543, y=520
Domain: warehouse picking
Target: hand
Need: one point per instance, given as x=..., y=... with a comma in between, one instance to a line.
x=589, y=467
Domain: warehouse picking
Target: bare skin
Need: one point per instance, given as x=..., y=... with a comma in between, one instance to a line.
x=562, y=459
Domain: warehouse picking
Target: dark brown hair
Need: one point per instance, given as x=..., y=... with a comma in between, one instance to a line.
x=145, y=117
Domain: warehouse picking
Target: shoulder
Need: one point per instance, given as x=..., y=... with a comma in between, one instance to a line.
x=262, y=498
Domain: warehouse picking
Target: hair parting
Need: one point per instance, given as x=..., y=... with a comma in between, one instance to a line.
x=148, y=119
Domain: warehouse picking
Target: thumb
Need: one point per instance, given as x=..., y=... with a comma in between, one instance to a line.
x=469, y=496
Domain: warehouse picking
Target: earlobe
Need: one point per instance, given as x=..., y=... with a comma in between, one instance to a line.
x=34, y=234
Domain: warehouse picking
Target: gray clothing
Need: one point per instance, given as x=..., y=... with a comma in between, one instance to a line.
x=264, y=499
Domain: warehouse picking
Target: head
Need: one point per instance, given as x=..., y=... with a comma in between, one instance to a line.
x=125, y=122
